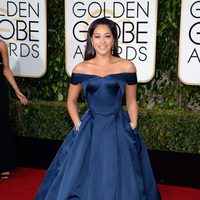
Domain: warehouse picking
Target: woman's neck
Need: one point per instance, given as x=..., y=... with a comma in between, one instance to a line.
x=105, y=59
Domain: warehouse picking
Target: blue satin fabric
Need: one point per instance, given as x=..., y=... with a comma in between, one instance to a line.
x=106, y=160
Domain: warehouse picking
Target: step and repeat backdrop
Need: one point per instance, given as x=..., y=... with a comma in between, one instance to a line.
x=23, y=25
x=189, y=44
x=136, y=21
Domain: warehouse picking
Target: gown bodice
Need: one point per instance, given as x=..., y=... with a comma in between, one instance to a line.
x=104, y=94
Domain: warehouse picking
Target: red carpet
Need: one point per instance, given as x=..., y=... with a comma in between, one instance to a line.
x=22, y=185
x=24, y=182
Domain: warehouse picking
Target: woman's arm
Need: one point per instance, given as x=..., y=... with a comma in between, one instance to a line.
x=72, y=102
x=131, y=97
x=8, y=73
x=132, y=106
x=73, y=94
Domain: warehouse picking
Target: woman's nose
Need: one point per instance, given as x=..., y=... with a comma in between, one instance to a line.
x=102, y=40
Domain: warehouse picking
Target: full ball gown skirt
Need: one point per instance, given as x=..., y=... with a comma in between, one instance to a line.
x=106, y=160
x=7, y=153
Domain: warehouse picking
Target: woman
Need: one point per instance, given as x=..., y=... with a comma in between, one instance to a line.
x=7, y=154
x=104, y=156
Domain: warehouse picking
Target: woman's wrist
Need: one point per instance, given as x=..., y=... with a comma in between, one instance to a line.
x=17, y=91
x=77, y=125
x=133, y=125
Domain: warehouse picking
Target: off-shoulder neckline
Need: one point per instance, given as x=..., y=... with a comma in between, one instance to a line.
x=111, y=74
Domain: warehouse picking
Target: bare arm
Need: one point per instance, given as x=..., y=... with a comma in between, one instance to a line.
x=72, y=102
x=8, y=73
x=73, y=94
x=132, y=106
x=131, y=98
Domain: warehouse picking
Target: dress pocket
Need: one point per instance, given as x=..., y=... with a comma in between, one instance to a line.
x=128, y=126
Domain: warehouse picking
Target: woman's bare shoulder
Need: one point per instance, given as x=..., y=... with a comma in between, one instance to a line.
x=127, y=66
x=81, y=67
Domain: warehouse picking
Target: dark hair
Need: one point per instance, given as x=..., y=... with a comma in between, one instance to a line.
x=89, y=51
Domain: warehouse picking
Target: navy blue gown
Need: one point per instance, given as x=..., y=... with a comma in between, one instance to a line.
x=106, y=160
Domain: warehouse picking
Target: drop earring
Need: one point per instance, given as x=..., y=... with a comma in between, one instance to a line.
x=93, y=51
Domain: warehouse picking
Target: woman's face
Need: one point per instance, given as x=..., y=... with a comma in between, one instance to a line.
x=102, y=40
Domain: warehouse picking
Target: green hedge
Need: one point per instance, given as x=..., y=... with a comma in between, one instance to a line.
x=162, y=129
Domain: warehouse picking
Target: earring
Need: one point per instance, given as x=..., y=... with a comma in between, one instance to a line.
x=112, y=49
x=93, y=51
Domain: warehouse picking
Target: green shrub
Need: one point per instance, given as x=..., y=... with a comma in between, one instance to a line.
x=167, y=130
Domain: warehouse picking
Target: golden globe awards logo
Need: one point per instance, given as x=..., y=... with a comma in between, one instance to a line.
x=189, y=49
x=23, y=28
x=136, y=23
x=194, y=31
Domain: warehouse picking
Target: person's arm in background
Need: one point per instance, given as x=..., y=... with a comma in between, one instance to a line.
x=8, y=73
